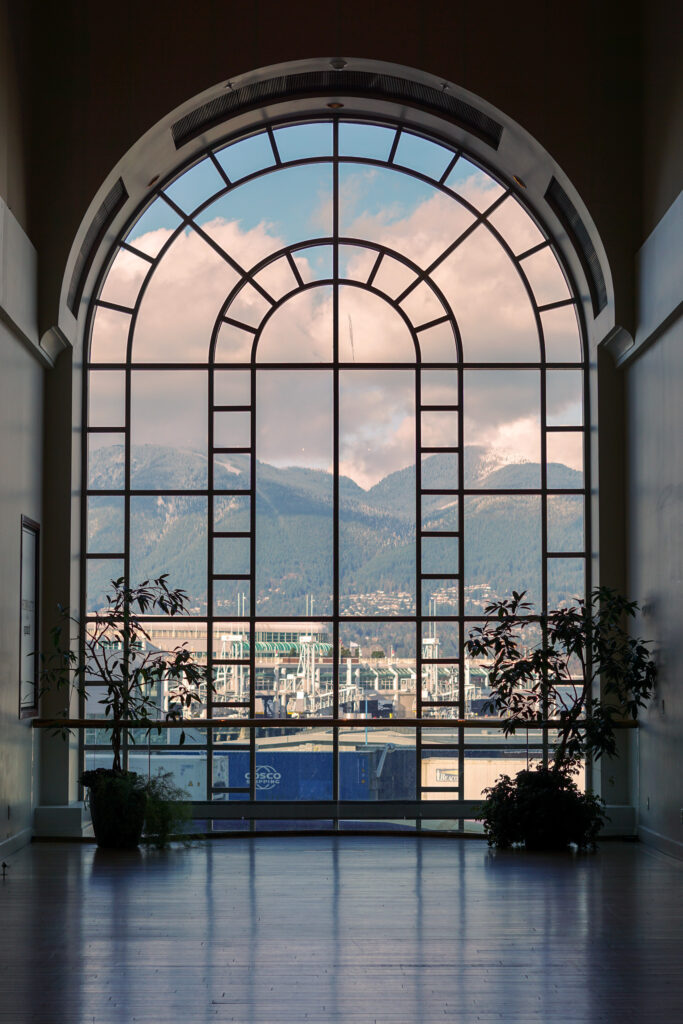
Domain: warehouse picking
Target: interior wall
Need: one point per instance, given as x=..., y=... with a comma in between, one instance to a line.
x=654, y=380
x=21, y=399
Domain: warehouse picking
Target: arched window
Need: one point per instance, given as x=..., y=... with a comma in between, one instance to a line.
x=336, y=389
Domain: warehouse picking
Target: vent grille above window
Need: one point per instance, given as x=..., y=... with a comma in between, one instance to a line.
x=567, y=213
x=337, y=82
x=113, y=202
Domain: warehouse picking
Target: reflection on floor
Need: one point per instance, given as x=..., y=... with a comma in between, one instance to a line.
x=348, y=929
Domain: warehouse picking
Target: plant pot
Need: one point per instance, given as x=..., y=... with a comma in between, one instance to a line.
x=117, y=807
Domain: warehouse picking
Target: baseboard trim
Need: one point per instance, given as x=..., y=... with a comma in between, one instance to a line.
x=662, y=843
x=14, y=843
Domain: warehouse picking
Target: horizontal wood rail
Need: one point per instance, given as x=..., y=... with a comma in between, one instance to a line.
x=305, y=723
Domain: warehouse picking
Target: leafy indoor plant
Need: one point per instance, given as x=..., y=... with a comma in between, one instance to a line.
x=111, y=654
x=555, y=675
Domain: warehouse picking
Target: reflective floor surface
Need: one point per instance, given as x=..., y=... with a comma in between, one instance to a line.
x=346, y=929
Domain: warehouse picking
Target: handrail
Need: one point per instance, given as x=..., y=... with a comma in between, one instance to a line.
x=279, y=723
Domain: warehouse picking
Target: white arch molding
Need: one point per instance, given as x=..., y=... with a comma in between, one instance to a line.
x=517, y=159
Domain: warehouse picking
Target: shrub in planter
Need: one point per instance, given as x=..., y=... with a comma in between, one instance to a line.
x=140, y=685
x=118, y=801
x=542, y=808
x=583, y=669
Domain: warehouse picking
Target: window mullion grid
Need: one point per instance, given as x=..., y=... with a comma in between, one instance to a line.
x=252, y=597
x=83, y=575
x=461, y=589
x=211, y=525
x=126, y=513
x=418, y=585
x=335, y=468
x=544, y=542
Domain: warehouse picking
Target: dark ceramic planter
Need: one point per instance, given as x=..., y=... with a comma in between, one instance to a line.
x=117, y=809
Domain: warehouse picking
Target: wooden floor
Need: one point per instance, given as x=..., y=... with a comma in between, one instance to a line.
x=340, y=929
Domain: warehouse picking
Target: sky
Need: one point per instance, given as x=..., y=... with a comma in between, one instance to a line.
x=185, y=294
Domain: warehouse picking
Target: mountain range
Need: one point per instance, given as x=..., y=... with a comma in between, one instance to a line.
x=294, y=529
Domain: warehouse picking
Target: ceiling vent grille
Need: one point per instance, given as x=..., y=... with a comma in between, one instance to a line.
x=566, y=212
x=113, y=202
x=336, y=83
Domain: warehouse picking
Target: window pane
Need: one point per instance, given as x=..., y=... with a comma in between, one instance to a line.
x=277, y=209
x=106, y=453
x=185, y=294
x=429, y=158
x=195, y=186
x=232, y=387
x=168, y=429
x=232, y=472
x=440, y=429
x=546, y=278
x=503, y=548
x=440, y=597
x=473, y=184
x=367, y=140
x=231, y=513
x=233, y=344
x=232, y=429
x=294, y=767
x=106, y=398
x=151, y=231
x=247, y=156
x=300, y=331
x=315, y=264
x=168, y=534
x=561, y=333
x=99, y=574
x=105, y=525
x=300, y=141
x=294, y=669
x=491, y=305
x=377, y=456
x=565, y=522
x=356, y=262
x=109, y=339
x=564, y=398
x=124, y=280
x=565, y=459
x=370, y=330
x=377, y=669
x=439, y=387
x=566, y=581
x=502, y=429
x=231, y=597
x=277, y=278
x=231, y=555
x=393, y=277
x=394, y=209
x=422, y=305
x=294, y=491
x=440, y=512
x=516, y=226
x=377, y=765
x=437, y=344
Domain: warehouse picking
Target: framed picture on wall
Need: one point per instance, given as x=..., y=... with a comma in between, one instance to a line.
x=28, y=618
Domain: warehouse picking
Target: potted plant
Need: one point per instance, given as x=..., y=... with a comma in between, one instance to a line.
x=112, y=654
x=555, y=674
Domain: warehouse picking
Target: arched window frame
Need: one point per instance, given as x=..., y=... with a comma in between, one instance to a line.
x=248, y=275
